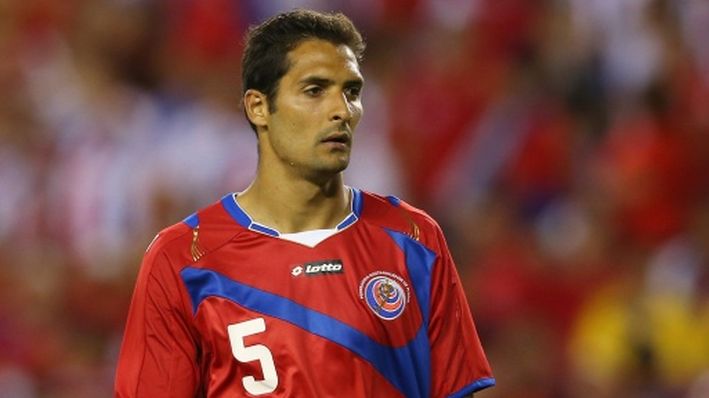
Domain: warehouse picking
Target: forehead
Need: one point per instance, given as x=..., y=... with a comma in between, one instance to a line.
x=321, y=58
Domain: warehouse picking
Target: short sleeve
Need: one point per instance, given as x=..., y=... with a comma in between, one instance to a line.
x=458, y=363
x=158, y=356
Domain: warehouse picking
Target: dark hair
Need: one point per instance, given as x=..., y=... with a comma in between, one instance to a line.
x=265, y=58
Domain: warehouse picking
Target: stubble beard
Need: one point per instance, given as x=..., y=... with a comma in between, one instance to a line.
x=322, y=171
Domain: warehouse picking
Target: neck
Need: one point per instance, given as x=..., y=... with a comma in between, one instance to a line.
x=295, y=205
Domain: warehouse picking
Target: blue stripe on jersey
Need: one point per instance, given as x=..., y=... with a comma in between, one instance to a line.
x=230, y=205
x=473, y=387
x=407, y=368
x=419, y=261
x=192, y=221
x=357, y=202
x=356, y=210
x=346, y=222
x=263, y=229
x=242, y=218
x=394, y=200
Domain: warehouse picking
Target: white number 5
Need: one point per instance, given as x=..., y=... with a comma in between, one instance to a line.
x=259, y=352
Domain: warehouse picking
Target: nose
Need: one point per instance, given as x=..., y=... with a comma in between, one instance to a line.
x=342, y=109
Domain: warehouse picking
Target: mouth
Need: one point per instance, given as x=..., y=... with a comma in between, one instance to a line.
x=340, y=138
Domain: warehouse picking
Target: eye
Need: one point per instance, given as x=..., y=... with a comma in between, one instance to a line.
x=353, y=93
x=314, y=91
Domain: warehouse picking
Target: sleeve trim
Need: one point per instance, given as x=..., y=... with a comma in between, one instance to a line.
x=474, y=387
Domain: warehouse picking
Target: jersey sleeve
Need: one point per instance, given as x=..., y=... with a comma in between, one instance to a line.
x=158, y=356
x=458, y=363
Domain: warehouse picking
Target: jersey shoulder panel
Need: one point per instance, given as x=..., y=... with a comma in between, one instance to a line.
x=169, y=242
x=212, y=227
x=393, y=213
x=198, y=234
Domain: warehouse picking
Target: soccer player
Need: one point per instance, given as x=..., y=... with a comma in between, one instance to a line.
x=301, y=286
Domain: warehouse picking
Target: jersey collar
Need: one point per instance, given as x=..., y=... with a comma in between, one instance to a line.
x=242, y=218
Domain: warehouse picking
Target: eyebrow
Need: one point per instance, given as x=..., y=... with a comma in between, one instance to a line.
x=321, y=81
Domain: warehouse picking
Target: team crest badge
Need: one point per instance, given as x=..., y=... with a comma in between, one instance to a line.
x=385, y=293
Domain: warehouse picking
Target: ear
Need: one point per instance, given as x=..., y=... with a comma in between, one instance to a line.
x=256, y=107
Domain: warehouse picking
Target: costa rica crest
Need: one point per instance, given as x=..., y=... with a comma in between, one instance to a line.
x=385, y=293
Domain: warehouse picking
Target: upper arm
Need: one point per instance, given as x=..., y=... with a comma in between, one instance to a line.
x=158, y=356
x=459, y=365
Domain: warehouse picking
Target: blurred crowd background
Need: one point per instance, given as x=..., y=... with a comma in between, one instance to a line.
x=562, y=144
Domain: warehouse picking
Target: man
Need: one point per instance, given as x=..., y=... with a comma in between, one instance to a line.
x=300, y=286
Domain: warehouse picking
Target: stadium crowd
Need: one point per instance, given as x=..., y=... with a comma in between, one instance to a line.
x=563, y=145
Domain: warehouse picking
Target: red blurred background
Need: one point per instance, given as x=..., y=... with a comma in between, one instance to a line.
x=563, y=145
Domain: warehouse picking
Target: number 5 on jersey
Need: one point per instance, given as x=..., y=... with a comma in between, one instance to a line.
x=237, y=332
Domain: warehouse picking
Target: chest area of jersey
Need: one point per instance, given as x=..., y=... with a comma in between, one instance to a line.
x=358, y=279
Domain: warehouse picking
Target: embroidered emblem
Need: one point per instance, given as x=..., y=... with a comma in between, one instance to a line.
x=196, y=251
x=415, y=232
x=385, y=293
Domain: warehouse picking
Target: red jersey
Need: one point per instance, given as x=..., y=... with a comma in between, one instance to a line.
x=225, y=307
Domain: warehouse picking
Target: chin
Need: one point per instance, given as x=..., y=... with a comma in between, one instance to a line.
x=334, y=167
x=338, y=169
x=341, y=166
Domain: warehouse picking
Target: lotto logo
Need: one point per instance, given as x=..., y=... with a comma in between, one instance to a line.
x=327, y=268
x=319, y=268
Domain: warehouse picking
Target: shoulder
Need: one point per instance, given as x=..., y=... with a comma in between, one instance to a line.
x=396, y=214
x=203, y=231
x=172, y=244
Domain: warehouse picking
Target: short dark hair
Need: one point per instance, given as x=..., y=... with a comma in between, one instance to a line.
x=265, y=58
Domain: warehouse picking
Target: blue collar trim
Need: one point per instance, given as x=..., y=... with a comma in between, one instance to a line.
x=242, y=218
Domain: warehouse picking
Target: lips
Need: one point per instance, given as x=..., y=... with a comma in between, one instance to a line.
x=338, y=138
